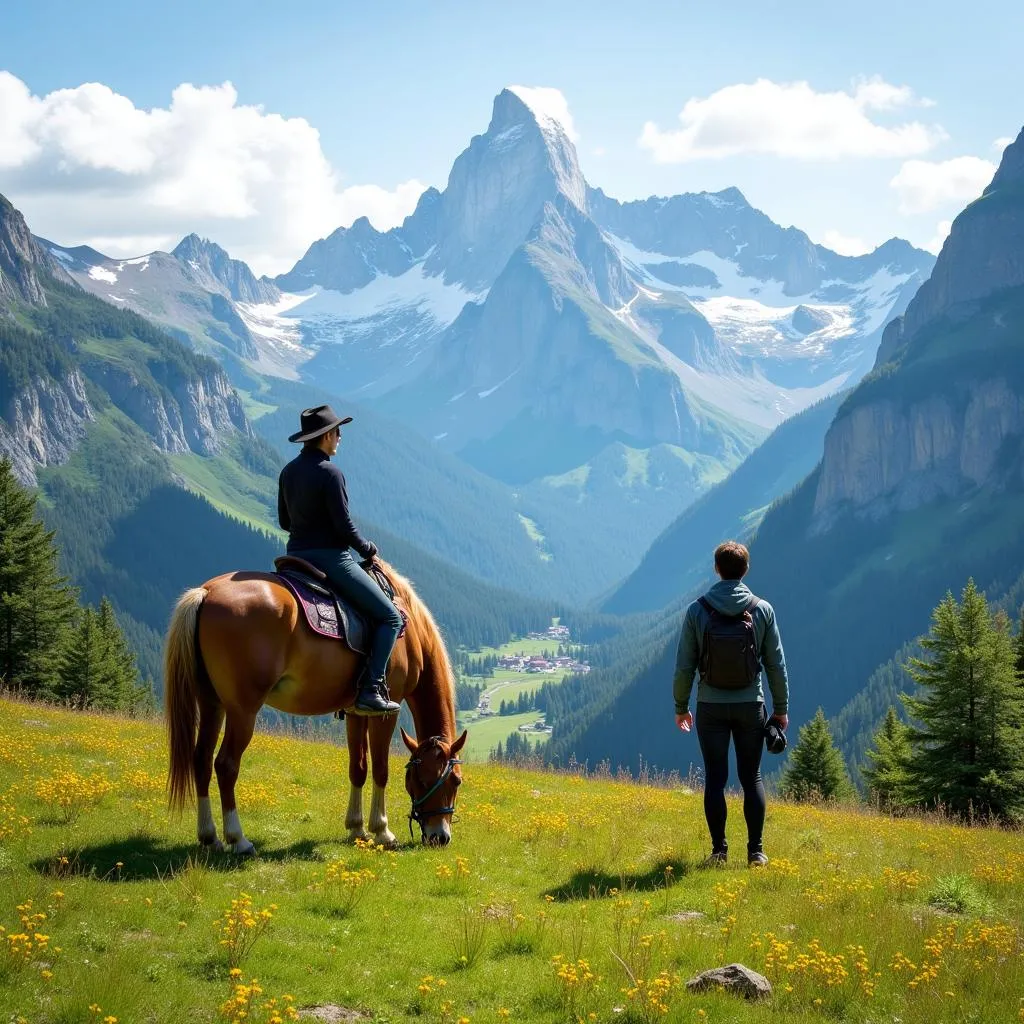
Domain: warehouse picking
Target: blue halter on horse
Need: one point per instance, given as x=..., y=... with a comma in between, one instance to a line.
x=419, y=813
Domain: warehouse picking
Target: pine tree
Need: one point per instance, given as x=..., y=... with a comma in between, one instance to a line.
x=81, y=680
x=966, y=744
x=121, y=678
x=36, y=603
x=816, y=769
x=886, y=774
x=99, y=669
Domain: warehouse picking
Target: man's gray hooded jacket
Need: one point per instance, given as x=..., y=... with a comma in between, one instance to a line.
x=731, y=597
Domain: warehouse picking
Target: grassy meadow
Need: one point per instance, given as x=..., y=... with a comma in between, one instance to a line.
x=560, y=899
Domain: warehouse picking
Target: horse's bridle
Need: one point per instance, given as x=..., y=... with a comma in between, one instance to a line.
x=418, y=813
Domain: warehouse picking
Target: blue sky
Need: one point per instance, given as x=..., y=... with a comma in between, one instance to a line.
x=396, y=91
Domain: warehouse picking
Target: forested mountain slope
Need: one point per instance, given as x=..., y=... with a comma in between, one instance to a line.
x=680, y=558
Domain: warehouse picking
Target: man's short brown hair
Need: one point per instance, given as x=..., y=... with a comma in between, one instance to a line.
x=732, y=560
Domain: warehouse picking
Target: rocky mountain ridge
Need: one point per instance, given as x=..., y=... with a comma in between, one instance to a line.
x=22, y=260
x=66, y=366
x=212, y=266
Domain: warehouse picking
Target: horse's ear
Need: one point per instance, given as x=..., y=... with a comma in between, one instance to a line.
x=459, y=743
x=408, y=741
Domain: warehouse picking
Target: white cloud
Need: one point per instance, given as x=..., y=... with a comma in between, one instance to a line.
x=791, y=120
x=925, y=185
x=942, y=230
x=1002, y=142
x=549, y=106
x=87, y=165
x=845, y=245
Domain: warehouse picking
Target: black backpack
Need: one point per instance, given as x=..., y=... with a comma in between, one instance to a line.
x=728, y=657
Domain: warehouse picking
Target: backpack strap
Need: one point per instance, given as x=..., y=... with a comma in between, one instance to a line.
x=706, y=605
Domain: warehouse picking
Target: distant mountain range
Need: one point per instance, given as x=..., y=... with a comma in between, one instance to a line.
x=607, y=361
x=920, y=486
x=149, y=468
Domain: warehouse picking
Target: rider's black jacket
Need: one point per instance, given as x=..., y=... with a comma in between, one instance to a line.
x=312, y=505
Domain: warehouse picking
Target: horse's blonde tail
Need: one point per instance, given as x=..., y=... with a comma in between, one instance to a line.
x=181, y=692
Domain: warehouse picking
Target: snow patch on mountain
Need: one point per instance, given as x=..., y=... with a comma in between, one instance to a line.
x=755, y=329
x=549, y=107
x=413, y=289
x=98, y=273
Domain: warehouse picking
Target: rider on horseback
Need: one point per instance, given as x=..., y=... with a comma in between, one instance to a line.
x=312, y=506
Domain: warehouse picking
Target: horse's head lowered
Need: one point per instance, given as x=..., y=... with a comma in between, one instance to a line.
x=432, y=779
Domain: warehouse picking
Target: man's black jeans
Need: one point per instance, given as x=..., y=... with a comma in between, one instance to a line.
x=744, y=723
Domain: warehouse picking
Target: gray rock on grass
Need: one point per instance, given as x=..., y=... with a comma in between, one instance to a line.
x=734, y=978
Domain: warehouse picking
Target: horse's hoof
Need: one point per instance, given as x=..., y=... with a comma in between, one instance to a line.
x=214, y=845
x=386, y=839
x=243, y=848
x=357, y=833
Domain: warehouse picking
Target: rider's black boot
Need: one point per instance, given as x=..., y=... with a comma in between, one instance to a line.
x=372, y=698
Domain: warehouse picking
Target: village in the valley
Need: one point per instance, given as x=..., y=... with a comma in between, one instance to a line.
x=502, y=706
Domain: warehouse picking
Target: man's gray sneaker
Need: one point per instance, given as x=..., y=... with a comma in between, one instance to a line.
x=716, y=859
x=757, y=860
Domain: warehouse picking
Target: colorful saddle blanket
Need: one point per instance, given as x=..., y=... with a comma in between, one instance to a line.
x=326, y=612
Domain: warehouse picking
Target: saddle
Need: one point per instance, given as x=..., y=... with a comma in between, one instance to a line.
x=325, y=612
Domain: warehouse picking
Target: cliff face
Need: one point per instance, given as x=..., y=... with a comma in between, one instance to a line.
x=183, y=402
x=889, y=456
x=43, y=424
x=191, y=414
x=982, y=255
x=954, y=351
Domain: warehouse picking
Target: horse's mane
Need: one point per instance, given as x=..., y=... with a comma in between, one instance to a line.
x=425, y=627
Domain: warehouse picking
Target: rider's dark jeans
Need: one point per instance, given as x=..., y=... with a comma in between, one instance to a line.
x=744, y=724
x=349, y=578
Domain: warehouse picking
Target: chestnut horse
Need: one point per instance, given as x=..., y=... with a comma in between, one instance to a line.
x=240, y=641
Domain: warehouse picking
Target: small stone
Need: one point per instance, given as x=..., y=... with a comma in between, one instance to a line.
x=734, y=978
x=686, y=915
x=330, y=1013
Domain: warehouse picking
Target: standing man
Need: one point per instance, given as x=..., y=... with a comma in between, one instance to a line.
x=729, y=635
x=312, y=506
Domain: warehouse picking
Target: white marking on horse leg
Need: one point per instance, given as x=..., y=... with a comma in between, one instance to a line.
x=233, y=834
x=206, y=828
x=379, y=818
x=354, y=814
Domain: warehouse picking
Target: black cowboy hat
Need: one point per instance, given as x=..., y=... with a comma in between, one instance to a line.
x=317, y=421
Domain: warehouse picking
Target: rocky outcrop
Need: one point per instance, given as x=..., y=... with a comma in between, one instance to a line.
x=209, y=266
x=199, y=413
x=349, y=258
x=886, y=452
x=43, y=424
x=22, y=260
x=983, y=253
x=887, y=455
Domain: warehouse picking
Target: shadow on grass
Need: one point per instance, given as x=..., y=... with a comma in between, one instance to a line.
x=142, y=858
x=593, y=883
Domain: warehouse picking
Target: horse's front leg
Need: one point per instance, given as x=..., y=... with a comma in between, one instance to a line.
x=355, y=730
x=381, y=731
